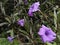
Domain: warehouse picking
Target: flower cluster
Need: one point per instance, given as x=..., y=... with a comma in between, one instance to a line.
x=46, y=34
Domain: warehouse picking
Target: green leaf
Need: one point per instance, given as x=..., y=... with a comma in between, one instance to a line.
x=1, y=24
x=49, y=43
x=3, y=41
x=24, y=32
x=8, y=19
x=11, y=32
x=54, y=43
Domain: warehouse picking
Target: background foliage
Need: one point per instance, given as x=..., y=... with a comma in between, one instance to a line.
x=13, y=10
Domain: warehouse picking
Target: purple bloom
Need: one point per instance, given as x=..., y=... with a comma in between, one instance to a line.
x=21, y=22
x=47, y=35
x=33, y=8
x=25, y=2
x=10, y=39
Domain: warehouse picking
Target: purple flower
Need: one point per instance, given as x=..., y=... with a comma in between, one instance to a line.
x=25, y=2
x=47, y=35
x=10, y=39
x=21, y=22
x=33, y=8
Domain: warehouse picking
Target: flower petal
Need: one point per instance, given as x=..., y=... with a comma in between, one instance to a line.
x=44, y=38
x=51, y=32
x=33, y=8
x=41, y=31
x=51, y=38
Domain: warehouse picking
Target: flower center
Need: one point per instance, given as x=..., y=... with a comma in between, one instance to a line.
x=47, y=33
